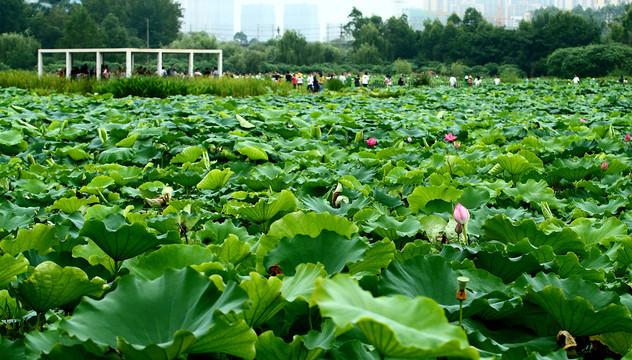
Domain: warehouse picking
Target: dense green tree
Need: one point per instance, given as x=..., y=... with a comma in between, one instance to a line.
x=194, y=40
x=80, y=31
x=12, y=16
x=472, y=19
x=292, y=49
x=48, y=25
x=18, y=51
x=241, y=38
x=399, y=38
x=162, y=17
x=115, y=35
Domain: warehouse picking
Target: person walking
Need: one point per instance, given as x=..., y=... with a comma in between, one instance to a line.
x=365, y=79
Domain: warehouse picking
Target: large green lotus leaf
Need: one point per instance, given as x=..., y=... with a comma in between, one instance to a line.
x=41, y=238
x=514, y=164
x=303, y=347
x=11, y=137
x=129, y=141
x=593, y=208
x=55, y=345
x=434, y=226
x=299, y=223
x=575, y=305
x=12, y=350
x=121, y=240
x=9, y=307
x=624, y=253
x=302, y=284
x=188, y=154
x=569, y=265
x=174, y=256
x=232, y=250
x=506, y=267
x=535, y=192
x=503, y=229
x=126, y=175
x=329, y=248
x=500, y=341
x=15, y=217
x=619, y=342
x=218, y=232
x=599, y=230
x=396, y=326
x=388, y=227
x=237, y=339
x=70, y=205
x=433, y=277
x=377, y=257
x=95, y=256
x=573, y=170
x=253, y=153
x=115, y=155
x=162, y=316
x=474, y=197
x=187, y=178
x=265, y=300
x=353, y=350
x=413, y=249
x=264, y=210
x=10, y=267
x=422, y=195
x=51, y=286
x=215, y=179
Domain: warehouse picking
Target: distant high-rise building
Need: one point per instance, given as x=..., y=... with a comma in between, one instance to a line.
x=302, y=18
x=416, y=17
x=214, y=17
x=258, y=21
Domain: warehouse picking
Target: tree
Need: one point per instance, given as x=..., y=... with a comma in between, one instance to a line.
x=399, y=36
x=18, y=51
x=12, y=16
x=161, y=16
x=241, y=38
x=80, y=31
x=472, y=19
x=115, y=35
x=48, y=25
x=292, y=48
x=194, y=40
x=367, y=54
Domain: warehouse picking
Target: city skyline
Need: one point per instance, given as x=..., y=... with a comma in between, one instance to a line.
x=327, y=16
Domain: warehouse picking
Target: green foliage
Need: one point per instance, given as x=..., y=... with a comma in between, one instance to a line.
x=591, y=60
x=335, y=85
x=18, y=51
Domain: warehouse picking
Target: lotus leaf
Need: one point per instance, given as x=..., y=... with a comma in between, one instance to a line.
x=165, y=317
x=189, y=154
x=424, y=194
x=41, y=238
x=302, y=347
x=331, y=249
x=51, y=286
x=173, y=256
x=10, y=267
x=397, y=326
x=121, y=240
x=215, y=179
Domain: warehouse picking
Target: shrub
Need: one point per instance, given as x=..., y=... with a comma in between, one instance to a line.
x=510, y=74
x=18, y=51
x=422, y=79
x=402, y=67
x=590, y=61
x=335, y=85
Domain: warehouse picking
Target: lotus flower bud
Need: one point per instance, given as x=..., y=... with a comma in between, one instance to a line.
x=459, y=229
x=457, y=145
x=582, y=120
x=461, y=214
x=371, y=142
x=604, y=166
x=627, y=137
x=411, y=139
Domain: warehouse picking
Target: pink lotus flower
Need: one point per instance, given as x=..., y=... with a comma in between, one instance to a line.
x=411, y=139
x=461, y=215
x=582, y=120
x=457, y=145
x=371, y=142
x=627, y=137
x=449, y=137
x=604, y=166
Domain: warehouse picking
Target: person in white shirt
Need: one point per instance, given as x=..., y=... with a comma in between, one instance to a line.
x=342, y=78
x=452, y=81
x=497, y=80
x=576, y=80
x=365, y=79
x=310, y=82
x=477, y=81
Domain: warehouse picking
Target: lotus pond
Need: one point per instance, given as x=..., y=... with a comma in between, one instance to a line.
x=268, y=227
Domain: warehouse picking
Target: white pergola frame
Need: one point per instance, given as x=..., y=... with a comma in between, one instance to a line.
x=129, y=58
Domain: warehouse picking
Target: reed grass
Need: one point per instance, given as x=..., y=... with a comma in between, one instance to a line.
x=143, y=86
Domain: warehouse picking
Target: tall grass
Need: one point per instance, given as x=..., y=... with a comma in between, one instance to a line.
x=143, y=86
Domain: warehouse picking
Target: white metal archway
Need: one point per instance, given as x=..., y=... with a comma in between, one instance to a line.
x=129, y=57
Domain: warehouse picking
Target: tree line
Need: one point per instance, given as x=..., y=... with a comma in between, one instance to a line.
x=467, y=43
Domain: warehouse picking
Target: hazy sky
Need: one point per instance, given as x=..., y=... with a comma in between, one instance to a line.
x=332, y=11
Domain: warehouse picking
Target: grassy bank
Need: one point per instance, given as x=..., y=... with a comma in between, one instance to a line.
x=145, y=86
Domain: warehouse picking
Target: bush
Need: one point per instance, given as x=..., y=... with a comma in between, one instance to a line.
x=510, y=74
x=590, y=61
x=420, y=80
x=18, y=51
x=402, y=67
x=335, y=85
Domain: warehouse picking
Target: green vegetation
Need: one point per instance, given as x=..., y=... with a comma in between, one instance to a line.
x=330, y=225
x=462, y=44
